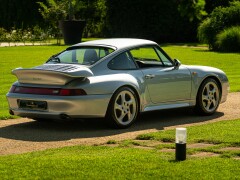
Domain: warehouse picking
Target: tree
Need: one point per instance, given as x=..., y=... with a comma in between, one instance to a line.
x=192, y=9
x=149, y=19
x=19, y=14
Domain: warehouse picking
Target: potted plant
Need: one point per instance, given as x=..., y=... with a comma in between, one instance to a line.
x=72, y=29
x=62, y=14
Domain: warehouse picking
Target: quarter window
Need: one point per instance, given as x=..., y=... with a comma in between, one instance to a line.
x=122, y=62
x=164, y=57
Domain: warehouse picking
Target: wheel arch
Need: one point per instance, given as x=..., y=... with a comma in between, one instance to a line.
x=112, y=121
x=133, y=89
x=211, y=77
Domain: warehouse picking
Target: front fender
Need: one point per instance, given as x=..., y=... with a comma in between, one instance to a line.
x=200, y=73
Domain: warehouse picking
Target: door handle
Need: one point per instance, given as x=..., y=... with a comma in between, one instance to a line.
x=149, y=76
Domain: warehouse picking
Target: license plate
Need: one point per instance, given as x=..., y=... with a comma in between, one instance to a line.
x=34, y=105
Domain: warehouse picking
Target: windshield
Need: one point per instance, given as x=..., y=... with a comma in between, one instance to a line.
x=81, y=55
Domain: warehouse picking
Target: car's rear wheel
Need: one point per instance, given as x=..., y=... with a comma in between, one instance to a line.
x=208, y=98
x=123, y=108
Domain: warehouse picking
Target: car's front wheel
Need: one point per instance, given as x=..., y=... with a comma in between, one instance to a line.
x=123, y=108
x=208, y=98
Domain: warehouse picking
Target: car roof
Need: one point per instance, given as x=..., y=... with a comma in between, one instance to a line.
x=118, y=43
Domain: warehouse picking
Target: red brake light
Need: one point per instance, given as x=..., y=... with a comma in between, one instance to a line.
x=12, y=89
x=72, y=92
x=47, y=91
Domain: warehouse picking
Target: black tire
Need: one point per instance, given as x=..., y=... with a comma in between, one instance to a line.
x=208, y=97
x=123, y=108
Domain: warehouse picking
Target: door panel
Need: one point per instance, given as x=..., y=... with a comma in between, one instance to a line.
x=166, y=84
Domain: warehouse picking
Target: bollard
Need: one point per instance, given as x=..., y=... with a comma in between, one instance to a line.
x=181, y=140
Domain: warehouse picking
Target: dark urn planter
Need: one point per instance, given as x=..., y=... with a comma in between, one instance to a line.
x=72, y=31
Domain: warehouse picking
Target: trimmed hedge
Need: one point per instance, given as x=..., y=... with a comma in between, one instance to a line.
x=229, y=40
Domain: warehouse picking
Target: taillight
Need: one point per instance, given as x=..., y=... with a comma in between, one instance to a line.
x=47, y=91
x=12, y=89
x=72, y=92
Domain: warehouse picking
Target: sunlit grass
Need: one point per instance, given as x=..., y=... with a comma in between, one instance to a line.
x=224, y=132
x=126, y=162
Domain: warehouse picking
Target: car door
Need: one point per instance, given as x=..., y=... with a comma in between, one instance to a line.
x=165, y=82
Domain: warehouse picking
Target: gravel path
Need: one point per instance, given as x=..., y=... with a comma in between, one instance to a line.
x=25, y=135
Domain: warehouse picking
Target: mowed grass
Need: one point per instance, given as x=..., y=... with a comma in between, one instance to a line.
x=223, y=132
x=29, y=56
x=104, y=162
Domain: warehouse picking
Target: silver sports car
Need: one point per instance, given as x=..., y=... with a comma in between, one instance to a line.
x=116, y=79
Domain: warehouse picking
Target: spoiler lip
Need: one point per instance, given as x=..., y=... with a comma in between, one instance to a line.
x=47, y=76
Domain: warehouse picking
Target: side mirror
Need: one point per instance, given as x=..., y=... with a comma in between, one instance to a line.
x=177, y=63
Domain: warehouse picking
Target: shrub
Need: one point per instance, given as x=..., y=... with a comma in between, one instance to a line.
x=2, y=35
x=219, y=19
x=205, y=32
x=229, y=40
x=19, y=35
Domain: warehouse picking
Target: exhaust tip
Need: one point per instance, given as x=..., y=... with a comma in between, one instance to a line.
x=11, y=112
x=64, y=116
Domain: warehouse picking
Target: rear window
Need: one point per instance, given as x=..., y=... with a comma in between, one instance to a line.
x=83, y=55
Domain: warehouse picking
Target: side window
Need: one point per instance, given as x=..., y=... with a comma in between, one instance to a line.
x=145, y=54
x=122, y=62
x=146, y=57
x=165, y=59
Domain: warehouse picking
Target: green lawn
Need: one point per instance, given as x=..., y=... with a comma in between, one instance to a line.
x=225, y=132
x=13, y=57
x=126, y=162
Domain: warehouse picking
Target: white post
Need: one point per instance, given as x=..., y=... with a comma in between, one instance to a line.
x=181, y=141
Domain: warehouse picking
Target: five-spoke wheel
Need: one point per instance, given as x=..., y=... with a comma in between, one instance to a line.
x=209, y=96
x=123, y=108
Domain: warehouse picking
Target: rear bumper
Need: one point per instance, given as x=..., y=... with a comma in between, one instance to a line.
x=59, y=107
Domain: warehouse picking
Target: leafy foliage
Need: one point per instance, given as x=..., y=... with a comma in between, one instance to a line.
x=219, y=19
x=229, y=40
x=53, y=11
x=2, y=34
x=192, y=9
x=210, y=5
x=19, y=35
